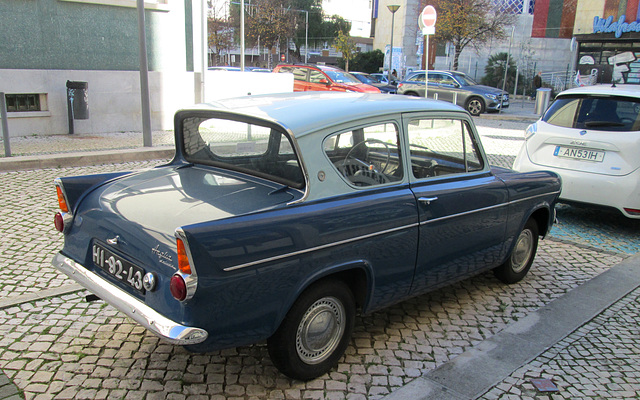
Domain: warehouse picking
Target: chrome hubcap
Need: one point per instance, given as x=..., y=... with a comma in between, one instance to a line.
x=523, y=251
x=320, y=330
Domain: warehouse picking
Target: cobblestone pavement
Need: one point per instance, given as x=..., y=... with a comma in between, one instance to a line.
x=63, y=347
x=601, y=360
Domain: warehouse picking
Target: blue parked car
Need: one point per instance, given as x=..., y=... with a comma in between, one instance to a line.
x=282, y=216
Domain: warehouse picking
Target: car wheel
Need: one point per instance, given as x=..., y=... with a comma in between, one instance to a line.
x=316, y=331
x=414, y=94
x=475, y=106
x=524, y=251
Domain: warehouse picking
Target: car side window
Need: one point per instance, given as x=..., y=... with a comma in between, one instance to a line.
x=366, y=156
x=439, y=147
x=317, y=77
x=418, y=78
x=300, y=74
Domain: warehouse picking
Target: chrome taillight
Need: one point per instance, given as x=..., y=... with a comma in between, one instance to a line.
x=184, y=282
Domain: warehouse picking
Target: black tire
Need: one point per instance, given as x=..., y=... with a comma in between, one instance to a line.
x=475, y=106
x=524, y=251
x=298, y=352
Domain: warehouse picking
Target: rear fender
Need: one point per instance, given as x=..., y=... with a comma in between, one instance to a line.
x=358, y=275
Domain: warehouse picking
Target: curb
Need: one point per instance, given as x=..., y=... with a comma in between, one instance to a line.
x=84, y=158
x=480, y=368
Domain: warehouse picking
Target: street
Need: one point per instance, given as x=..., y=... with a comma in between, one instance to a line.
x=62, y=347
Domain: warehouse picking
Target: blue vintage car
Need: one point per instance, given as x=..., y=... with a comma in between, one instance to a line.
x=282, y=216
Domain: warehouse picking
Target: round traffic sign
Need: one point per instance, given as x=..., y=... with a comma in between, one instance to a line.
x=428, y=16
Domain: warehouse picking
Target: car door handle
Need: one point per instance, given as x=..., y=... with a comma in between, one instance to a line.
x=427, y=200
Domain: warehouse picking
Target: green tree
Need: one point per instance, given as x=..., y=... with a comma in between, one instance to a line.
x=369, y=62
x=494, y=72
x=346, y=46
x=471, y=22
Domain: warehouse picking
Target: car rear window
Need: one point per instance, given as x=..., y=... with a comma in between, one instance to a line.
x=595, y=112
x=251, y=148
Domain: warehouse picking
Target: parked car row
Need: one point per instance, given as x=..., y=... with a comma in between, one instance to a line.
x=451, y=86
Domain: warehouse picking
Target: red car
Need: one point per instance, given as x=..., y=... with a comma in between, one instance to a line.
x=322, y=77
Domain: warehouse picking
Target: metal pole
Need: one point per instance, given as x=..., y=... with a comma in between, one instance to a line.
x=144, y=77
x=5, y=125
x=306, y=37
x=393, y=18
x=506, y=67
x=242, y=35
x=426, y=71
x=205, y=45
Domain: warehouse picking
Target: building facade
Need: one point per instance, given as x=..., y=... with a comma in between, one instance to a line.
x=45, y=43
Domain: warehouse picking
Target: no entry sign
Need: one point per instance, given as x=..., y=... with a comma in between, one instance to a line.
x=429, y=16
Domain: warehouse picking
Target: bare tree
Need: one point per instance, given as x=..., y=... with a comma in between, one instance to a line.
x=220, y=33
x=471, y=22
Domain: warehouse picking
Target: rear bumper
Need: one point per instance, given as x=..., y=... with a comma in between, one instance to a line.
x=155, y=322
x=618, y=192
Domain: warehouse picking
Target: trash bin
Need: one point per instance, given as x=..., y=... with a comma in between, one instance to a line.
x=77, y=102
x=78, y=99
x=543, y=95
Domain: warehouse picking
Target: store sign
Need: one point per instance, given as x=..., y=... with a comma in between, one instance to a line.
x=601, y=25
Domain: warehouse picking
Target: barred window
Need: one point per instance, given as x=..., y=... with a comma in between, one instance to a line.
x=22, y=102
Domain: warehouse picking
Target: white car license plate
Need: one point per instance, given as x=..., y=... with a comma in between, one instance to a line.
x=579, y=154
x=117, y=267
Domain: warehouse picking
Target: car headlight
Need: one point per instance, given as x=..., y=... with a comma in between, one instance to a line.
x=491, y=96
x=531, y=130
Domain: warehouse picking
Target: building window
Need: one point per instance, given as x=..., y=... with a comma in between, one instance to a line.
x=23, y=102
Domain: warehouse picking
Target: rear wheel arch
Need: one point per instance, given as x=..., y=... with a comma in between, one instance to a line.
x=541, y=217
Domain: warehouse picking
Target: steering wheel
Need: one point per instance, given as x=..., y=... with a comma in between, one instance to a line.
x=386, y=162
x=362, y=173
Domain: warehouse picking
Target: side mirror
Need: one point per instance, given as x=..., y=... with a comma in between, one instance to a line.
x=326, y=82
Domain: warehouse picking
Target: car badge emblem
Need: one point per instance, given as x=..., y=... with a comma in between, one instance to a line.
x=114, y=241
x=582, y=133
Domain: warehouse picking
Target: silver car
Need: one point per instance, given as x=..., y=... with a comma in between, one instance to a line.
x=454, y=86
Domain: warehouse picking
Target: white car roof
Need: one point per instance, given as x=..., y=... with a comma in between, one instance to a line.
x=305, y=112
x=605, y=89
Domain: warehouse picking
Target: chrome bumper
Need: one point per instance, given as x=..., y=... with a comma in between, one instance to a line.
x=158, y=324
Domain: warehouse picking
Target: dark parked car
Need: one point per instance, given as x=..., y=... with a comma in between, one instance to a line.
x=281, y=216
x=453, y=85
x=311, y=77
x=370, y=80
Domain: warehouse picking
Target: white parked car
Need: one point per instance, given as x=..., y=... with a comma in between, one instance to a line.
x=590, y=136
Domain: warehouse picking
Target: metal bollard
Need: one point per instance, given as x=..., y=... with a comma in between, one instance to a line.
x=5, y=125
x=543, y=95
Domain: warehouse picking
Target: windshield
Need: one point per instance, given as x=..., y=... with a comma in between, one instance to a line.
x=341, y=76
x=250, y=148
x=598, y=113
x=364, y=78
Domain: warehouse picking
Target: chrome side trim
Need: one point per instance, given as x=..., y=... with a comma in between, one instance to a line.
x=354, y=239
x=324, y=246
x=158, y=324
x=486, y=208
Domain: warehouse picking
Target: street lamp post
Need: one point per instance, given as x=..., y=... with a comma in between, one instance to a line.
x=393, y=9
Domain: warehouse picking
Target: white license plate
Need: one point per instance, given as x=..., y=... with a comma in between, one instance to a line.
x=117, y=267
x=579, y=154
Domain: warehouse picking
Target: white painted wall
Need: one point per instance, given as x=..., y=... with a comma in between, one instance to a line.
x=114, y=97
